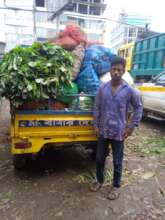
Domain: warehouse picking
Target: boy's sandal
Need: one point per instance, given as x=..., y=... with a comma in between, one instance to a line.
x=114, y=194
x=95, y=187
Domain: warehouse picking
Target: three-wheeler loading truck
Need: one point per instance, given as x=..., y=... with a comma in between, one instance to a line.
x=34, y=130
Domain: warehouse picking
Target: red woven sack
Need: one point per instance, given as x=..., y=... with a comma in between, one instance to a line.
x=66, y=42
x=75, y=33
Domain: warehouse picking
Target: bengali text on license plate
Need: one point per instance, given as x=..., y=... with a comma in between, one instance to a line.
x=54, y=123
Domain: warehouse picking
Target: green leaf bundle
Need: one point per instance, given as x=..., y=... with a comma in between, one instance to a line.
x=35, y=73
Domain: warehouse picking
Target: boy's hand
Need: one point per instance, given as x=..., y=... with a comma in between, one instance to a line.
x=128, y=132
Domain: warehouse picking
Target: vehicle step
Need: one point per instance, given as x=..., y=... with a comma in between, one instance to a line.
x=156, y=117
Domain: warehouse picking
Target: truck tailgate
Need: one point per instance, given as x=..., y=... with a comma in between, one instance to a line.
x=62, y=127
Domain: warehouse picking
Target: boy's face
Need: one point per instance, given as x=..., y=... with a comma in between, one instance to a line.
x=117, y=72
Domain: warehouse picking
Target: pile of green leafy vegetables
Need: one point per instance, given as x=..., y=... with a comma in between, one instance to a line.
x=38, y=72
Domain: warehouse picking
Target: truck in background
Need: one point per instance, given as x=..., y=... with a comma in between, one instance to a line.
x=147, y=58
x=126, y=51
x=148, y=68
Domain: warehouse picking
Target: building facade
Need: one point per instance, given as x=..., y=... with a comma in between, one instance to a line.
x=26, y=21
x=2, y=32
x=88, y=14
x=128, y=29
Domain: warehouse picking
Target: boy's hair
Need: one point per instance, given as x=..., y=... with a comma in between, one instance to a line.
x=118, y=60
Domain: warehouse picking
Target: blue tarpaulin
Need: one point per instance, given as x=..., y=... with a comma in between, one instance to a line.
x=97, y=61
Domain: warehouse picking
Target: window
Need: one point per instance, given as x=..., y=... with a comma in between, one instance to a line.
x=81, y=22
x=72, y=20
x=40, y=3
x=132, y=32
x=83, y=9
x=96, y=1
x=95, y=10
x=72, y=7
x=63, y=19
x=164, y=62
x=121, y=53
x=128, y=52
x=161, y=79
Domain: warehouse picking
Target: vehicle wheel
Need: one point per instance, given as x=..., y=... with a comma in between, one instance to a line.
x=94, y=149
x=20, y=161
x=93, y=155
x=145, y=115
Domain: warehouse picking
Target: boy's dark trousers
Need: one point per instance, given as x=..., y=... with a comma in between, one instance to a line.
x=102, y=153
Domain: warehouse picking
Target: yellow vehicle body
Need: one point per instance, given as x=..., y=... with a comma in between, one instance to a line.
x=126, y=52
x=31, y=131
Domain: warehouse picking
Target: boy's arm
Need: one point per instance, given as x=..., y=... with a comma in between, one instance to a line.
x=137, y=109
x=137, y=113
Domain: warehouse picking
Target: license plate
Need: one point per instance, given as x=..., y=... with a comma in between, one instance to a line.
x=54, y=123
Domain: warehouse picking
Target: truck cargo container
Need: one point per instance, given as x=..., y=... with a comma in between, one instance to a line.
x=148, y=58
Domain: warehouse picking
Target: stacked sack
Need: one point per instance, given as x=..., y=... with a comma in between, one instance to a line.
x=75, y=40
x=97, y=61
x=92, y=59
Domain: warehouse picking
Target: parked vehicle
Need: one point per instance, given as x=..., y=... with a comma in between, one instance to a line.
x=33, y=130
x=153, y=97
x=148, y=58
x=126, y=52
x=127, y=77
x=145, y=58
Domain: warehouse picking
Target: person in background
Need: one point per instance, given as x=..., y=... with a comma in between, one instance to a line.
x=111, y=111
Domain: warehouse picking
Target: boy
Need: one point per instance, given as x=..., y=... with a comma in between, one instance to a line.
x=111, y=112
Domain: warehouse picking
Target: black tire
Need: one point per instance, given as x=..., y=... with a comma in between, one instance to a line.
x=93, y=155
x=94, y=150
x=145, y=113
x=20, y=162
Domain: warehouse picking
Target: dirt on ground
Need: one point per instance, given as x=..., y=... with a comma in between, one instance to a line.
x=56, y=185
